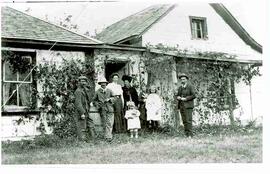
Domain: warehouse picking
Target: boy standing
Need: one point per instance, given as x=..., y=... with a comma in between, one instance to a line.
x=103, y=100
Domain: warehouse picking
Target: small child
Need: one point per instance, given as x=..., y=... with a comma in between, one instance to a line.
x=153, y=105
x=132, y=116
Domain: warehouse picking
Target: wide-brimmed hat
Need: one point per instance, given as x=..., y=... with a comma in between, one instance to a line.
x=127, y=77
x=102, y=80
x=82, y=78
x=182, y=75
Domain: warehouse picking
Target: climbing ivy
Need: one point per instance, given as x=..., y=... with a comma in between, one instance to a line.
x=213, y=80
x=59, y=82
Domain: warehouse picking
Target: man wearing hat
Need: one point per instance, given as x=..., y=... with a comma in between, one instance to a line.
x=185, y=97
x=103, y=101
x=84, y=123
x=129, y=92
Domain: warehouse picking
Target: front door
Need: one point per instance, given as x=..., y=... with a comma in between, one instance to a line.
x=116, y=67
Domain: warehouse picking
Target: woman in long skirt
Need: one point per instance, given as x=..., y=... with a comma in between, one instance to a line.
x=119, y=119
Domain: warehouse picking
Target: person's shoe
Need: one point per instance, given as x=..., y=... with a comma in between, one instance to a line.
x=109, y=140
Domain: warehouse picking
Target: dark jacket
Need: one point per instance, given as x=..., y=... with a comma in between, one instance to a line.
x=188, y=93
x=130, y=94
x=82, y=100
x=100, y=100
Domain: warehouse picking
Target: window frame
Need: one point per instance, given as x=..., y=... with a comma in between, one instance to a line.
x=204, y=31
x=17, y=74
x=17, y=108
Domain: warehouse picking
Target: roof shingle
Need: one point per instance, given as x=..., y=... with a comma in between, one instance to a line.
x=133, y=25
x=18, y=25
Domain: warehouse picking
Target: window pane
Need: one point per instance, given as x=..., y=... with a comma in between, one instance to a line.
x=194, y=28
x=199, y=23
x=199, y=35
x=9, y=75
x=198, y=28
x=8, y=88
x=22, y=76
x=25, y=95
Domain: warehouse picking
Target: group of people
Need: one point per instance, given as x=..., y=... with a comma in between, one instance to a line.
x=122, y=109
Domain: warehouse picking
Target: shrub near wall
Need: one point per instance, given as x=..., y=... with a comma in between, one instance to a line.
x=159, y=69
x=59, y=83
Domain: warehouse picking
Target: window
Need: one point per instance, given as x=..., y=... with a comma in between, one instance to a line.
x=16, y=84
x=198, y=27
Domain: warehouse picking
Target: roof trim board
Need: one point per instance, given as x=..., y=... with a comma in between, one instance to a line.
x=236, y=26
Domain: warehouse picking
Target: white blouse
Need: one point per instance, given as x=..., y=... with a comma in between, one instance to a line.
x=116, y=88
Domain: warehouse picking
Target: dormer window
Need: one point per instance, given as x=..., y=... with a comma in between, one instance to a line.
x=198, y=27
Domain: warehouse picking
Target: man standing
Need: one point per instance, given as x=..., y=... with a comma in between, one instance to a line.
x=103, y=101
x=186, y=96
x=84, y=123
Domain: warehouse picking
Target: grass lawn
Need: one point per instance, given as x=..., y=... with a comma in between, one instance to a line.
x=222, y=146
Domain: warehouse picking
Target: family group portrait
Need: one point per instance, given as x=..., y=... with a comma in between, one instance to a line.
x=132, y=82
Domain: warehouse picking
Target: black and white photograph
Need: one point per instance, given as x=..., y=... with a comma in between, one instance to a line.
x=133, y=82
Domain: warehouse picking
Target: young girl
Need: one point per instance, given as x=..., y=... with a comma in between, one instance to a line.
x=133, y=120
x=153, y=105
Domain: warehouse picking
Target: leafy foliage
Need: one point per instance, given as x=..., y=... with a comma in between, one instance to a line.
x=59, y=83
x=18, y=63
x=213, y=80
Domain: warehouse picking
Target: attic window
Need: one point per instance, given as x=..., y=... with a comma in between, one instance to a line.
x=198, y=27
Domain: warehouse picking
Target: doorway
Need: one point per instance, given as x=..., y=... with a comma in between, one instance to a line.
x=116, y=67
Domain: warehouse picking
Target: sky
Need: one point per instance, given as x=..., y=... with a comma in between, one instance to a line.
x=95, y=16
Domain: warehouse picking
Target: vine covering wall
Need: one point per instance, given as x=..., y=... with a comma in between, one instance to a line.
x=213, y=80
x=56, y=96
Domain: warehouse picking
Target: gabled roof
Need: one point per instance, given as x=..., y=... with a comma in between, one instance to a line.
x=236, y=26
x=134, y=25
x=137, y=24
x=18, y=25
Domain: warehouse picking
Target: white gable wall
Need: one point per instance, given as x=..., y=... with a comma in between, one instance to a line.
x=174, y=29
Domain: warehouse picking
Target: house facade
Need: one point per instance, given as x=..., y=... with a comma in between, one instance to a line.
x=34, y=42
x=195, y=28
x=28, y=42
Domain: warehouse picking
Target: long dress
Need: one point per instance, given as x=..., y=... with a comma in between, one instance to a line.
x=119, y=120
x=153, y=105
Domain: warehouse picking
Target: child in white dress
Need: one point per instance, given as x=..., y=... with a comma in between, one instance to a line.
x=153, y=105
x=133, y=120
